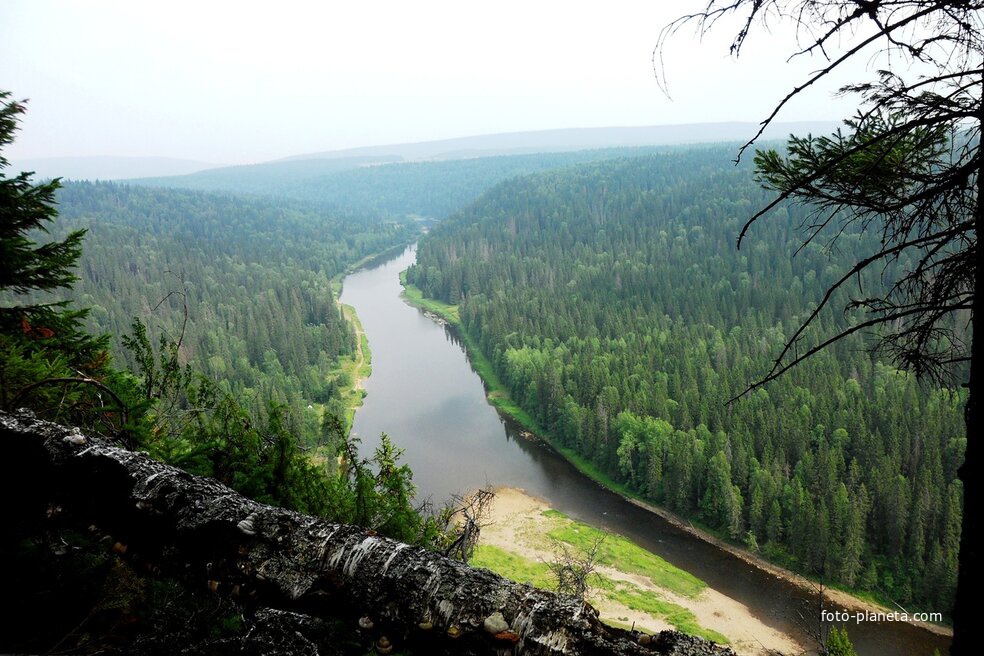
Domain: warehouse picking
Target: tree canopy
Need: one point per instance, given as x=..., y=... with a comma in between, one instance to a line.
x=908, y=169
x=71, y=591
x=614, y=309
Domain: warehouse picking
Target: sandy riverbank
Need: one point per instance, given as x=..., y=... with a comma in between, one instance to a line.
x=361, y=367
x=498, y=398
x=519, y=526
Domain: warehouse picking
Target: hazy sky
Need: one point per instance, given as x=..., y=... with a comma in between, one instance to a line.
x=236, y=82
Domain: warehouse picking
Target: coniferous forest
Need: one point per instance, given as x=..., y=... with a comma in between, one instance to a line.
x=609, y=297
x=612, y=302
x=721, y=386
x=374, y=188
x=194, y=329
x=239, y=264
x=244, y=282
x=616, y=310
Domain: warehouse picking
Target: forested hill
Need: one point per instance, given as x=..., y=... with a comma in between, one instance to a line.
x=253, y=273
x=616, y=310
x=378, y=186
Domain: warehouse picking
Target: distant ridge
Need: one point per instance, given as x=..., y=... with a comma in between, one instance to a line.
x=435, y=178
x=108, y=168
x=486, y=145
x=511, y=143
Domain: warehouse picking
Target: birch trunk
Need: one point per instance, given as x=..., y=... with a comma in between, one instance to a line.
x=198, y=530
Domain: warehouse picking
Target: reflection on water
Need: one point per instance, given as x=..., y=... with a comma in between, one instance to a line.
x=425, y=395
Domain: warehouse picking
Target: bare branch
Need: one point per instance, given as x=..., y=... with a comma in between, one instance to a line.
x=473, y=510
x=74, y=380
x=572, y=568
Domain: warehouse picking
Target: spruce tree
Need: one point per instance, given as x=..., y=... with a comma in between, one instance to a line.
x=29, y=269
x=47, y=360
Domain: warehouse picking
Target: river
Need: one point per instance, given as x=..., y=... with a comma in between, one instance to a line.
x=424, y=394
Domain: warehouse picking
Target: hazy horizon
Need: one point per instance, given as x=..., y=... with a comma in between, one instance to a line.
x=235, y=83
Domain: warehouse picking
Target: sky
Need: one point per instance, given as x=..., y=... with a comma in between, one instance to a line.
x=242, y=82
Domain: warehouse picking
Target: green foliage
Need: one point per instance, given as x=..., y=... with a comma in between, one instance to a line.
x=28, y=207
x=618, y=551
x=371, y=187
x=223, y=387
x=172, y=407
x=71, y=594
x=244, y=284
x=906, y=179
x=47, y=360
x=838, y=644
x=193, y=423
x=613, y=309
x=377, y=492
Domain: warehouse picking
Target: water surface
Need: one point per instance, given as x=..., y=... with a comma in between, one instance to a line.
x=425, y=395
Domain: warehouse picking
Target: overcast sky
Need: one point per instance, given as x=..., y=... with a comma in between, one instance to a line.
x=238, y=82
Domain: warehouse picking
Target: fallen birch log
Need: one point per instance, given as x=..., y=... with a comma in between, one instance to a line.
x=200, y=531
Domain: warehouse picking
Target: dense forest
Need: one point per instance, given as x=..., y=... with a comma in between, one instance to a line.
x=244, y=279
x=214, y=394
x=375, y=187
x=244, y=283
x=616, y=310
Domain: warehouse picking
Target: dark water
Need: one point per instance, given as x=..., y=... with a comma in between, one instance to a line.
x=425, y=395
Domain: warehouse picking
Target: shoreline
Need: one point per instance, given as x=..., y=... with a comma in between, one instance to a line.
x=524, y=527
x=359, y=364
x=839, y=597
x=498, y=397
x=363, y=360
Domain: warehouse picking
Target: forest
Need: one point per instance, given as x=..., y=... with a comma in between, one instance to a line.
x=211, y=378
x=240, y=266
x=191, y=332
x=375, y=187
x=609, y=297
x=244, y=282
x=763, y=349
x=615, y=309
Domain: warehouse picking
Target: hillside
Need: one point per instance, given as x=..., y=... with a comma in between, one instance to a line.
x=253, y=275
x=379, y=185
x=436, y=178
x=616, y=311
